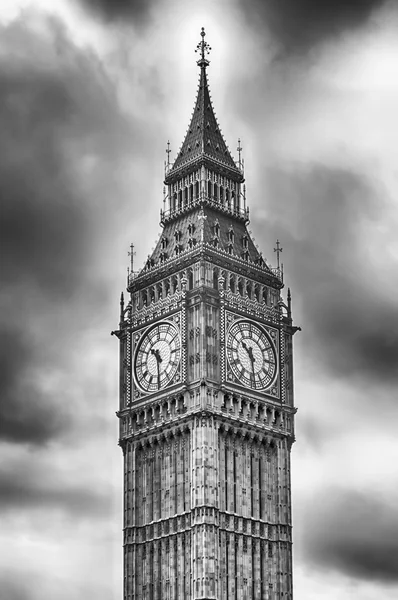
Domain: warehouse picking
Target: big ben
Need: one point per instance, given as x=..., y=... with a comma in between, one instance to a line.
x=206, y=391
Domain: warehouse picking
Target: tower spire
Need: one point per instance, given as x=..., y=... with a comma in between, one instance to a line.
x=203, y=140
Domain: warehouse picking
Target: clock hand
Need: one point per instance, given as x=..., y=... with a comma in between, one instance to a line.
x=249, y=351
x=156, y=354
x=254, y=375
x=158, y=371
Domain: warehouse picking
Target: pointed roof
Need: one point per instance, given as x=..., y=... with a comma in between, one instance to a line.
x=203, y=139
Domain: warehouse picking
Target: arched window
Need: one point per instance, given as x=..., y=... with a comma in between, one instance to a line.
x=190, y=279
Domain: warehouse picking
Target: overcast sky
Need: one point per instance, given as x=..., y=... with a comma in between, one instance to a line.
x=91, y=90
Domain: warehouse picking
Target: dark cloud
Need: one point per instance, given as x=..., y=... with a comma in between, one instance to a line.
x=299, y=25
x=355, y=533
x=62, y=131
x=347, y=318
x=114, y=10
x=25, y=415
x=31, y=486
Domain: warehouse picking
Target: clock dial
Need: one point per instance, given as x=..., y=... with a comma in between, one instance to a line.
x=251, y=355
x=157, y=357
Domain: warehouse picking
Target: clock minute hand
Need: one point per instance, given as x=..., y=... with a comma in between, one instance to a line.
x=252, y=359
x=249, y=351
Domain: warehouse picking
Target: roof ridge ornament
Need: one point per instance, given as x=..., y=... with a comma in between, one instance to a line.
x=204, y=48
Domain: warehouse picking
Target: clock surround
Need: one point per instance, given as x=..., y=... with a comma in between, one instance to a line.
x=157, y=357
x=251, y=354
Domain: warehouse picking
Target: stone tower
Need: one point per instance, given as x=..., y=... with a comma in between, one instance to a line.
x=206, y=392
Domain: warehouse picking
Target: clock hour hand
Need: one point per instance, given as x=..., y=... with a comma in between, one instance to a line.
x=156, y=354
x=249, y=351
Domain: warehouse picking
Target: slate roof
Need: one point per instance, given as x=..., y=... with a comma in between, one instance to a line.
x=203, y=139
x=217, y=225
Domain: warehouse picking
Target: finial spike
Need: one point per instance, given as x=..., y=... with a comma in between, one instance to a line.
x=131, y=255
x=121, y=306
x=168, y=154
x=239, y=149
x=204, y=48
x=278, y=250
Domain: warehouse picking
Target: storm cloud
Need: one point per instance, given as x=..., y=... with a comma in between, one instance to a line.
x=113, y=10
x=319, y=212
x=299, y=25
x=59, y=120
x=355, y=533
x=39, y=485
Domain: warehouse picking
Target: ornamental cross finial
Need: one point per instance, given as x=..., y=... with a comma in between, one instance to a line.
x=278, y=250
x=239, y=149
x=204, y=48
x=168, y=154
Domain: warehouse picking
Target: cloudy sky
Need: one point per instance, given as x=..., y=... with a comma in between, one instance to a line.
x=90, y=92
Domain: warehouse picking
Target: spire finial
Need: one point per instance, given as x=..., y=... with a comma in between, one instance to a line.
x=278, y=250
x=131, y=255
x=204, y=48
x=239, y=149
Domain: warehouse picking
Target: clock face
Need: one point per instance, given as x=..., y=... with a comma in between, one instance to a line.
x=251, y=355
x=157, y=357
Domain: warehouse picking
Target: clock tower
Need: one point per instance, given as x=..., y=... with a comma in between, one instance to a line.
x=206, y=391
